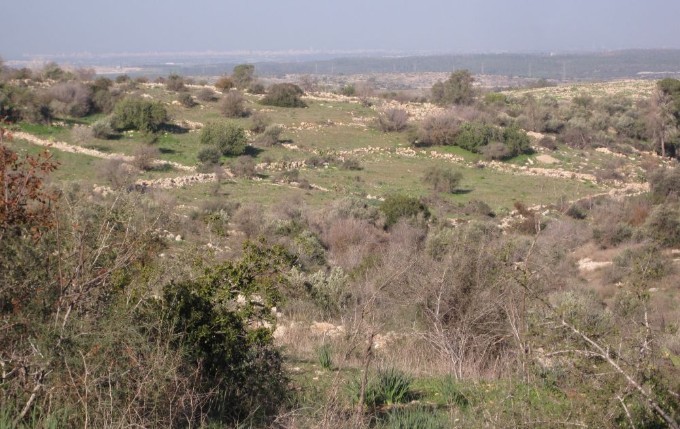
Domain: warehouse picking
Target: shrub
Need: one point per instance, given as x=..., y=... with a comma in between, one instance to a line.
x=71, y=99
x=243, y=75
x=270, y=136
x=117, y=173
x=229, y=139
x=259, y=122
x=473, y=135
x=284, y=95
x=224, y=84
x=233, y=105
x=442, y=179
x=663, y=225
x=136, y=114
x=81, y=134
x=548, y=143
x=516, y=140
x=175, y=83
x=457, y=89
x=206, y=95
x=665, y=183
x=102, y=129
x=223, y=324
x=352, y=164
x=186, y=100
x=396, y=207
x=437, y=130
x=144, y=157
x=209, y=156
x=495, y=151
x=243, y=166
x=393, y=120
x=256, y=88
x=348, y=90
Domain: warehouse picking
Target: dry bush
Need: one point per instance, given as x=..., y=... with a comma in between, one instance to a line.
x=270, y=136
x=442, y=179
x=436, y=130
x=175, y=83
x=145, y=157
x=249, y=218
x=496, y=151
x=233, y=105
x=206, y=95
x=117, y=173
x=81, y=135
x=224, y=84
x=393, y=120
x=186, y=100
x=243, y=166
x=71, y=99
x=259, y=122
x=351, y=241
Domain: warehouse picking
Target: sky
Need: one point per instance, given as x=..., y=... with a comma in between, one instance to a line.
x=35, y=27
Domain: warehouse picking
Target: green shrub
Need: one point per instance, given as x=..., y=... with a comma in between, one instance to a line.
x=473, y=136
x=209, y=156
x=229, y=139
x=665, y=183
x=396, y=207
x=137, y=114
x=663, y=225
x=457, y=89
x=223, y=322
x=284, y=95
x=102, y=129
x=243, y=75
x=186, y=100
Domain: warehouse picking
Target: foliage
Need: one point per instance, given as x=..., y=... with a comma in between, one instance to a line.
x=243, y=75
x=138, y=114
x=325, y=356
x=228, y=138
x=102, y=129
x=284, y=95
x=71, y=99
x=419, y=417
x=665, y=183
x=388, y=387
x=224, y=323
x=209, y=156
x=457, y=89
x=398, y=206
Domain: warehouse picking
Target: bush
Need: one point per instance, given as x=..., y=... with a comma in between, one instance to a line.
x=396, y=207
x=270, y=136
x=209, y=156
x=420, y=417
x=233, y=105
x=437, y=130
x=223, y=322
x=224, y=84
x=388, y=387
x=325, y=355
x=175, y=83
x=665, y=183
x=145, y=156
x=136, y=114
x=442, y=179
x=256, y=88
x=457, y=89
x=393, y=120
x=473, y=135
x=243, y=75
x=206, y=95
x=71, y=99
x=351, y=164
x=284, y=95
x=260, y=121
x=186, y=100
x=228, y=138
x=663, y=225
x=495, y=151
x=102, y=129
x=243, y=166
x=117, y=173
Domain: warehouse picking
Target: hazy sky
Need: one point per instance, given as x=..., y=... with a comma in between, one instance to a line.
x=68, y=26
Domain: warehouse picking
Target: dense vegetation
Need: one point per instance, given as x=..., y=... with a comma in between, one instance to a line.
x=276, y=289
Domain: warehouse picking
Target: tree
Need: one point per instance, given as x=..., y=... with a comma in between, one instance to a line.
x=457, y=89
x=665, y=112
x=284, y=95
x=243, y=75
x=228, y=138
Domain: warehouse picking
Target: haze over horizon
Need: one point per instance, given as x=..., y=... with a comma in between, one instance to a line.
x=43, y=27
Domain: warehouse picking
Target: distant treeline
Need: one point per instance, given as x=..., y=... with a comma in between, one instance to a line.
x=582, y=66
